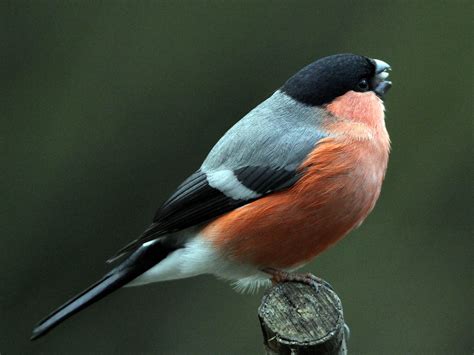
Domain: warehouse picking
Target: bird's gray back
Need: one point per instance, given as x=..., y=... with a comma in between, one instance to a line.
x=280, y=132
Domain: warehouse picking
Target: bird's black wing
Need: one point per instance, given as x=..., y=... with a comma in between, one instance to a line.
x=196, y=201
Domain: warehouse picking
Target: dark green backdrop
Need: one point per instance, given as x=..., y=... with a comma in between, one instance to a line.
x=107, y=105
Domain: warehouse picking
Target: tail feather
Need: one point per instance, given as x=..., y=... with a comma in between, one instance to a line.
x=137, y=263
x=92, y=294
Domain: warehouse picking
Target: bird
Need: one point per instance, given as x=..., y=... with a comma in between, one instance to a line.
x=288, y=180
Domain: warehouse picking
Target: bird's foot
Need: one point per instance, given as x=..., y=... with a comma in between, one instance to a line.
x=279, y=276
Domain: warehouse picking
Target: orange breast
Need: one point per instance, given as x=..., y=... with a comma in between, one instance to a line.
x=341, y=183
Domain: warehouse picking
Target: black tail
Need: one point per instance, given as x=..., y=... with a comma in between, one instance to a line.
x=136, y=264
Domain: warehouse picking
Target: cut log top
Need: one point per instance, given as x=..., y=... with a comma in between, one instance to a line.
x=297, y=319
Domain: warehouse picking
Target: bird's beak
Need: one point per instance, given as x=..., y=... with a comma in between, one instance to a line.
x=380, y=85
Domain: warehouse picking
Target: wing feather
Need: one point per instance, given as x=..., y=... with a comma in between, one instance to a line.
x=196, y=201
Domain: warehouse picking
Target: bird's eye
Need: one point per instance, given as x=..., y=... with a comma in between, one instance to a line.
x=363, y=85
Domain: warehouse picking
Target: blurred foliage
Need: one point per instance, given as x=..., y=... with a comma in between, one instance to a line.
x=107, y=105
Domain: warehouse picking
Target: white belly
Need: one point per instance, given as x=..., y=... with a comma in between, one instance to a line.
x=199, y=257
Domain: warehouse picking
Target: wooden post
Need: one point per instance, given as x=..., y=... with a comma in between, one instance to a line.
x=297, y=319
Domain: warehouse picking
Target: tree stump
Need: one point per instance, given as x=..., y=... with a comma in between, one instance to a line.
x=297, y=319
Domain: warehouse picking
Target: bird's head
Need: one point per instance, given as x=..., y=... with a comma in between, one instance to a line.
x=346, y=85
x=328, y=78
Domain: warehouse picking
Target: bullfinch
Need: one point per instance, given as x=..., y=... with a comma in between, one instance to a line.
x=292, y=177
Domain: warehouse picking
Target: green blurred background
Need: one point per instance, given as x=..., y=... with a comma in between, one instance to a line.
x=107, y=105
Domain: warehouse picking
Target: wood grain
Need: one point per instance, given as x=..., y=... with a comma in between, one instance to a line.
x=298, y=319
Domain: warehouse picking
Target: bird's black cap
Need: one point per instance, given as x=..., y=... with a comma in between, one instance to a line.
x=327, y=78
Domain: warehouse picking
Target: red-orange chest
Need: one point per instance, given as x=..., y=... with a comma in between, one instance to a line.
x=340, y=185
